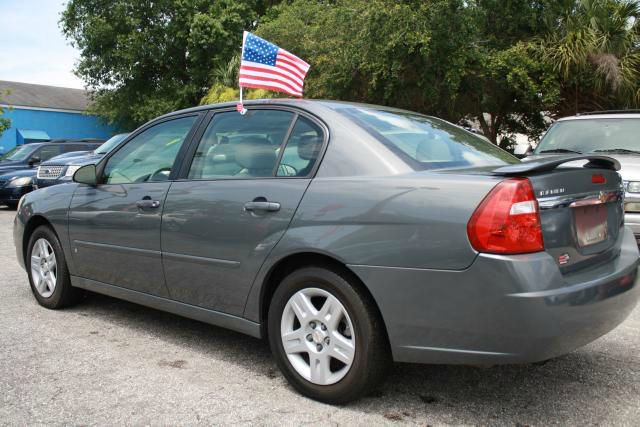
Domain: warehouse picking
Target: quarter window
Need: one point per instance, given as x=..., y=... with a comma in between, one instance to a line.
x=150, y=155
x=241, y=146
x=302, y=150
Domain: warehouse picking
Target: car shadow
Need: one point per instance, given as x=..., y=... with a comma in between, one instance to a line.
x=555, y=391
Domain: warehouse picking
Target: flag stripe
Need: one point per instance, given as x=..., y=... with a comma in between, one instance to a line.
x=270, y=80
x=254, y=66
x=283, y=63
x=303, y=65
x=269, y=86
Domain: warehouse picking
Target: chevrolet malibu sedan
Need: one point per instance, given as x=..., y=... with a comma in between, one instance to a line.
x=348, y=235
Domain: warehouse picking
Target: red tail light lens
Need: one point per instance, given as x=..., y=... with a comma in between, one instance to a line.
x=507, y=221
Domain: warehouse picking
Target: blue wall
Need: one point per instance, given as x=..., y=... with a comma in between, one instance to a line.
x=56, y=124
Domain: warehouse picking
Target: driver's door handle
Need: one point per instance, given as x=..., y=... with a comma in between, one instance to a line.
x=262, y=206
x=148, y=204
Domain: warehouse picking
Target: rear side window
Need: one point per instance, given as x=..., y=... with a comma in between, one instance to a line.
x=241, y=146
x=48, y=151
x=426, y=142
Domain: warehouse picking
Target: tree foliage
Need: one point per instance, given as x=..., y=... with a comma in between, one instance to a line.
x=503, y=64
x=4, y=122
x=145, y=58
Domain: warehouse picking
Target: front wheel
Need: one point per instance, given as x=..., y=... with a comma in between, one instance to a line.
x=47, y=270
x=327, y=336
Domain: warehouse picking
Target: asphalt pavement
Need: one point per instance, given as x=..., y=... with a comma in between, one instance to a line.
x=109, y=362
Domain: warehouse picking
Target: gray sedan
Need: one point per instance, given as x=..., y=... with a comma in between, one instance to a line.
x=348, y=235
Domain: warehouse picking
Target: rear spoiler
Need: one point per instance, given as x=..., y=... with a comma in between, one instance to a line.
x=549, y=164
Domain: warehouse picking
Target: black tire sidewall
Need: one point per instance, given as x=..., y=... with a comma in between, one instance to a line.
x=57, y=298
x=355, y=382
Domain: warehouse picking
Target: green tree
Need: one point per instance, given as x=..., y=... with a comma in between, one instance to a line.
x=4, y=122
x=452, y=58
x=145, y=58
x=595, y=50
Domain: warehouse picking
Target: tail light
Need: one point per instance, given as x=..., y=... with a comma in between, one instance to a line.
x=508, y=220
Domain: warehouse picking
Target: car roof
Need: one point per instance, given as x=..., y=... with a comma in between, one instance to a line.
x=603, y=115
x=311, y=105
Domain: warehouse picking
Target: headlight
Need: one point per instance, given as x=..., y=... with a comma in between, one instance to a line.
x=633, y=187
x=20, y=182
x=71, y=170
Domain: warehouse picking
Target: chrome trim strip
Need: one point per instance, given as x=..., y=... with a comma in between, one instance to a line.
x=581, y=199
x=114, y=248
x=200, y=260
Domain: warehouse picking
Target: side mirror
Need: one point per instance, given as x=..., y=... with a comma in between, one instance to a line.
x=521, y=151
x=34, y=160
x=86, y=175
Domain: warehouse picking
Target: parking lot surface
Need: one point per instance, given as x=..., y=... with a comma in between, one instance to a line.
x=110, y=362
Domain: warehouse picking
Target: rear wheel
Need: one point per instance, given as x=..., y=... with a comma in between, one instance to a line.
x=327, y=336
x=47, y=270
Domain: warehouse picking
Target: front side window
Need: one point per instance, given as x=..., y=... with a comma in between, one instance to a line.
x=241, y=146
x=426, y=142
x=150, y=155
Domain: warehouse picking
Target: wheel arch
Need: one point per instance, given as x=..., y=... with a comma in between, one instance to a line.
x=34, y=222
x=296, y=261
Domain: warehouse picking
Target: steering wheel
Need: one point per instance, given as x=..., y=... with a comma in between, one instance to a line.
x=161, y=174
x=286, y=170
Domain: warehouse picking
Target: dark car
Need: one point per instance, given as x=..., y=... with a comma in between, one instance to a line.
x=14, y=185
x=26, y=159
x=350, y=235
x=60, y=169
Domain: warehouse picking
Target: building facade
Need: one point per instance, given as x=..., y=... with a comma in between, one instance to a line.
x=40, y=113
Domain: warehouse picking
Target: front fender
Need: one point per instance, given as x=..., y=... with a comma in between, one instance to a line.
x=48, y=205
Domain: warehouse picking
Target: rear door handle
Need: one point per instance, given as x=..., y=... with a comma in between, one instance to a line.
x=148, y=204
x=262, y=206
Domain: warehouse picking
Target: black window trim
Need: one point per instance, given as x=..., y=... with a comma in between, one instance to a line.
x=297, y=113
x=177, y=164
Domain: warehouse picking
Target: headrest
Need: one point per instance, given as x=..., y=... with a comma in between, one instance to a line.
x=255, y=155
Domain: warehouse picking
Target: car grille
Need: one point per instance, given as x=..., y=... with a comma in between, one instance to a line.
x=3, y=181
x=50, y=172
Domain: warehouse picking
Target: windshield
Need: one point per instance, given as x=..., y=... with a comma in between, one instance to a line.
x=111, y=143
x=592, y=135
x=426, y=142
x=20, y=153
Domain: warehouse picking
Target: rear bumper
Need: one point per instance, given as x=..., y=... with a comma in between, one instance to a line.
x=502, y=309
x=12, y=195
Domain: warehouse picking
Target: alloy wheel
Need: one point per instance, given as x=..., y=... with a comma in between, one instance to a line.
x=318, y=336
x=44, y=268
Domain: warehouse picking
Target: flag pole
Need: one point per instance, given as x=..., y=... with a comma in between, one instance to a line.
x=240, y=107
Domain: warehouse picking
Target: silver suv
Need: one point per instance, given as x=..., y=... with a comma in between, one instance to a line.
x=615, y=134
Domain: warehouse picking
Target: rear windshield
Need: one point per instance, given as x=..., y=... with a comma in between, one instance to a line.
x=426, y=142
x=592, y=135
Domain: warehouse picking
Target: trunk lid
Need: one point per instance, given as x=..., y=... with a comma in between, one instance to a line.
x=581, y=208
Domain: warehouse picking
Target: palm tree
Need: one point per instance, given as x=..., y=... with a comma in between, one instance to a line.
x=595, y=48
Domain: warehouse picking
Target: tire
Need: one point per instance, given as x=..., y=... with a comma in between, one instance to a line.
x=12, y=205
x=49, y=279
x=356, y=335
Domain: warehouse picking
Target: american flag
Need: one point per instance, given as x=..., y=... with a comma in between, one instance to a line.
x=266, y=66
